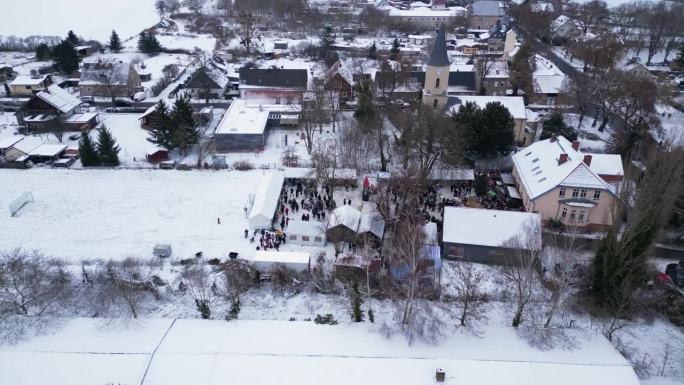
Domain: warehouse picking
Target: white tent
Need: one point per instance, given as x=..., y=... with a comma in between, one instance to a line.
x=264, y=260
x=266, y=200
x=306, y=233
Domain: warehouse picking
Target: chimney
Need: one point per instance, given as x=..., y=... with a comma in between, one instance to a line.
x=440, y=375
x=587, y=160
x=553, y=138
x=563, y=158
x=575, y=145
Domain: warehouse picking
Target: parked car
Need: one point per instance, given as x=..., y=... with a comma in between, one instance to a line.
x=75, y=137
x=139, y=96
x=167, y=165
x=121, y=103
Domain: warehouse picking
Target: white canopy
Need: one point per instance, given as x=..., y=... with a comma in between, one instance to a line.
x=266, y=200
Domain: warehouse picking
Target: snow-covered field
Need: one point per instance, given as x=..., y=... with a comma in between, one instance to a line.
x=672, y=121
x=281, y=352
x=117, y=213
x=90, y=19
x=591, y=139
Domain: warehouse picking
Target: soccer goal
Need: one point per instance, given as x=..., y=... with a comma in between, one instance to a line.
x=16, y=205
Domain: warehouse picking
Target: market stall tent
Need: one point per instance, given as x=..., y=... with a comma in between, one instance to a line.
x=266, y=200
x=306, y=233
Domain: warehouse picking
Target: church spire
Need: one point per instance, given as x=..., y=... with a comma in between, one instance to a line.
x=438, y=56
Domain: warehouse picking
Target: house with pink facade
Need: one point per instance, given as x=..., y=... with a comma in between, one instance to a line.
x=563, y=184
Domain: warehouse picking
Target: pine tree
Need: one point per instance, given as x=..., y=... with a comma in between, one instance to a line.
x=372, y=51
x=107, y=148
x=72, y=38
x=42, y=52
x=356, y=301
x=395, y=46
x=555, y=125
x=66, y=58
x=87, y=151
x=115, y=42
x=148, y=43
x=161, y=127
x=185, y=126
x=327, y=38
x=489, y=131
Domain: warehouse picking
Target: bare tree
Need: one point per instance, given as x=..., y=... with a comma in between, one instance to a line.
x=32, y=286
x=199, y=284
x=247, y=29
x=237, y=277
x=119, y=289
x=470, y=297
x=521, y=272
x=656, y=22
x=325, y=163
x=589, y=14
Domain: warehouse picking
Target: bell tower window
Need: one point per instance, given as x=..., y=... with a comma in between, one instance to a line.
x=437, y=83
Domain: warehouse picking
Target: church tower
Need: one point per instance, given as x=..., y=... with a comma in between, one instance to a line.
x=437, y=74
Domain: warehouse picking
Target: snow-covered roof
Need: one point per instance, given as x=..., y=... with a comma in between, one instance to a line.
x=28, y=144
x=498, y=70
x=428, y=12
x=27, y=80
x=431, y=233
x=346, y=216
x=547, y=78
x=215, y=352
x=10, y=141
x=515, y=104
x=607, y=164
x=371, y=222
x=539, y=169
x=309, y=173
x=486, y=8
x=286, y=257
x=241, y=119
x=48, y=150
x=266, y=199
x=313, y=228
x=452, y=174
x=59, y=98
x=558, y=22
x=542, y=7
x=81, y=118
x=490, y=227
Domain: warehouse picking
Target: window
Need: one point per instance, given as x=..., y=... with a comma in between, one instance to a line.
x=581, y=216
x=575, y=193
x=564, y=213
x=28, y=87
x=573, y=214
x=561, y=193
x=293, y=237
x=305, y=238
x=437, y=83
x=597, y=195
x=318, y=239
x=583, y=193
x=434, y=104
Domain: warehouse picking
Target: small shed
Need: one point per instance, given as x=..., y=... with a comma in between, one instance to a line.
x=157, y=155
x=371, y=228
x=46, y=153
x=343, y=224
x=162, y=250
x=490, y=236
x=297, y=261
x=306, y=233
x=266, y=200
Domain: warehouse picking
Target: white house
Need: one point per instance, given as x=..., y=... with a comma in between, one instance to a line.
x=265, y=260
x=306, y=233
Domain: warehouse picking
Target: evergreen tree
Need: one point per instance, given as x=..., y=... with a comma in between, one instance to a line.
x=72, y=38
x=373, y=51
x=364, y=107
x=234, y=311
x=87, y=152
x=489, y=131
x=115, y=42
x=107, y=148
x=555, y=125
x=327, y=38
x=680, y=59
x=66, y=58
x=148, y=43
x=203, y=308
x=395, y=47
x=185, y=133
x=161, y=127
x=356, y=301
x=42, y=52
